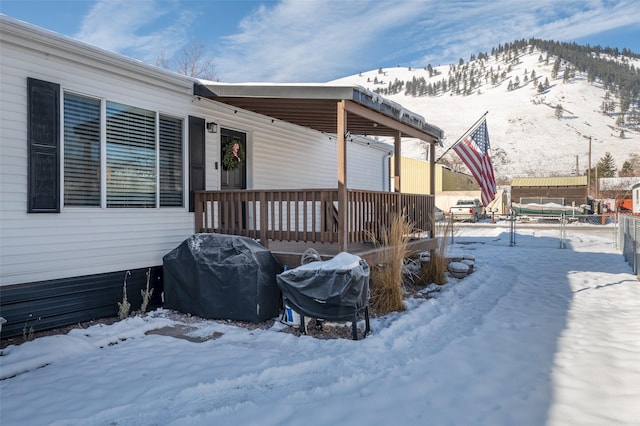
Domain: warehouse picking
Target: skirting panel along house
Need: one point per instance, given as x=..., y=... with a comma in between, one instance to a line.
x=107, y=164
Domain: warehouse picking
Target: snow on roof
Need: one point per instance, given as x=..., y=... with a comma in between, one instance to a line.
x=321, y=91
x=607, y=184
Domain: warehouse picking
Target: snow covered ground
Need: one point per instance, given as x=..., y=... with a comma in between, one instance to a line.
x=535, y=335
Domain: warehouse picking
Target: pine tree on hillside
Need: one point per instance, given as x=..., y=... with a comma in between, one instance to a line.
x=626, y=170
x=606, y=166
x=558, y=111
x=631, y=167
x=555, y=69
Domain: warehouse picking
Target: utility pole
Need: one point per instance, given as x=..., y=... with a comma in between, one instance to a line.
x=596, y=183
x=577, y=166
x=589, y=171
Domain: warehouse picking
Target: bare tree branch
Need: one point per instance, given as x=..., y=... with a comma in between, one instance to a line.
x=190, y=61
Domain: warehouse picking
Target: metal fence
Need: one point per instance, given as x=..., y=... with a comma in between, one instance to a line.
x=626, y=231
x=629, y=238
x=563, y=224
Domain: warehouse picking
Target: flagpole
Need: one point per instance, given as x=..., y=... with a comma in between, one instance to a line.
x=464, y=135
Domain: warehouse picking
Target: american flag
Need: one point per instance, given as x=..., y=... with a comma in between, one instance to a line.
x=474, y=150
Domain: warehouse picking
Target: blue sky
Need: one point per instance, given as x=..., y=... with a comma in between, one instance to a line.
x=321, y=40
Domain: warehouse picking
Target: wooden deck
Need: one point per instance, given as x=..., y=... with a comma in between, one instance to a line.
x=288, y=222
x=290, y=252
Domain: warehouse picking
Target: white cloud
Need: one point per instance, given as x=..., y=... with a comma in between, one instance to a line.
x=594, y=20
x=135, y=28
x=320, y=40
x=294, y=40
x=460, y=29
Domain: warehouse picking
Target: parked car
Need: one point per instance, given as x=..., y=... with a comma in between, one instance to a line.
x=471, y=210
x=438, y=215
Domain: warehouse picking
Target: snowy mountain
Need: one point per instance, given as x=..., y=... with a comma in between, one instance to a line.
x=530, y=135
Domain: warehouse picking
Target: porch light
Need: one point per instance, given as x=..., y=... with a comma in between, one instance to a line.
x=212, y=127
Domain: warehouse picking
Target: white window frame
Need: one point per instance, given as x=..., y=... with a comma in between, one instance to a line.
x=158, y=115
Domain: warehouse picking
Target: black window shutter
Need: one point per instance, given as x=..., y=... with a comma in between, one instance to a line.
x=43, y=146
x=196, y=159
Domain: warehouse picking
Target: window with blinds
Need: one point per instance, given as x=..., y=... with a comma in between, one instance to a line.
x=142, y=167
x=171, y=162
x=81, y=151
x=131, y=156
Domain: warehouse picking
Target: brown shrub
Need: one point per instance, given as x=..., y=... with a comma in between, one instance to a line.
x=386, y=280
x=435, y=270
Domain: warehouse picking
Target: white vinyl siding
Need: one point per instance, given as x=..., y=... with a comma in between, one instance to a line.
x=293, y=158
x=367, y=167
x=88, y=240
x=80, y=240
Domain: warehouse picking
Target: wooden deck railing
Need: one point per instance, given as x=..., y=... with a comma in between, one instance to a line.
x=307, y=215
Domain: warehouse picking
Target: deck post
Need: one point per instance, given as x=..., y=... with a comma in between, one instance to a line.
x=343, y=231
x=264, y=220
x=432, y=187
x=198, y=211
x=397, y=160
x=432, y=169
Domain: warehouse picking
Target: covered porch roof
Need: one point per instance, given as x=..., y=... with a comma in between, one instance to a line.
x=334, y=109
x=315, y=106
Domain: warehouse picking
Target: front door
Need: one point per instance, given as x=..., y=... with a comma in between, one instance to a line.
x=233, y=154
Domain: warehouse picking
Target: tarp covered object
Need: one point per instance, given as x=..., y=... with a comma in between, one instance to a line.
x=335, y=289
x=221, y=276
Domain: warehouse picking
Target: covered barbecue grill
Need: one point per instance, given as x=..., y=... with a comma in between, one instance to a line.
x=335, y=290
x=222, y=277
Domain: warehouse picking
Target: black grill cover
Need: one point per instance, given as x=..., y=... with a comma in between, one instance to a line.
x=221, y=276
x=335, y=289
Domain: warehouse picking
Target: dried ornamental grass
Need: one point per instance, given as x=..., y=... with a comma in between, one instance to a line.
x=125, y=306
x=435, y=271
x=146, y=294
x=386, y=280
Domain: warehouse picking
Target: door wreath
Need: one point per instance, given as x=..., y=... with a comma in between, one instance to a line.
x=233, y=155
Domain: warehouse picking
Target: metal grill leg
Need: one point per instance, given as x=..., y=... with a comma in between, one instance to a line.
x=302, y=328
x=367, y=326
x=354, y=326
